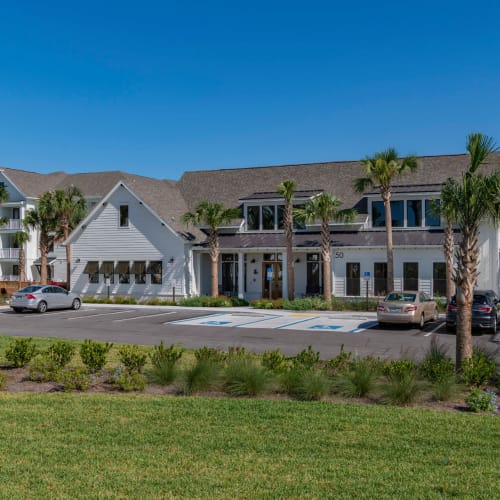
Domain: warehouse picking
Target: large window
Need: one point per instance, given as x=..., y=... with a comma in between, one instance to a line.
x=92, y=269
x=353, y=278
x=268, y=217
x=431, y=219
x=123, y=271
x=123, y=215
x=108, y=270
x=253, y=218
x=139, y=272
x=378, y=214
x=229, y=274
x=410, y=275
x=281, y=216
x=414, y=213
x=380, y=278
x=314, y=285
x=439, y=279
x=155, y=270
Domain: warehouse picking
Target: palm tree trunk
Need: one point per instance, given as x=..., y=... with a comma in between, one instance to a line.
x=388, y=231
x=466, y=278
x=449, y=246
x=22, y=264
x=327, y=268
x=214, y=257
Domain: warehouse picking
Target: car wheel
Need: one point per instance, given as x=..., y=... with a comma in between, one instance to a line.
x=76, y=304
x=494, y=329
x=422, y=321
x=382, y=325
x=450, y=329
x=42, y=307
x=18, y=310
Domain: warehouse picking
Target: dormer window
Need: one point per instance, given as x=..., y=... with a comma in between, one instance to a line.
x=406, y=213
x=123, y=215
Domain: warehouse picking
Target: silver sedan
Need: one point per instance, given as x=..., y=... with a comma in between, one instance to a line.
x=40, y=298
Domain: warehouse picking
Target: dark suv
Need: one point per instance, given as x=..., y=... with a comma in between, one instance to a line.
x=485, y=311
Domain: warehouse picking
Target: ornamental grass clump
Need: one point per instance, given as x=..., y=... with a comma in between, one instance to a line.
x=359, y=380
x=244, y=377
x=401, y=388
x=20, y=352
x=437, y=366
x=204, y=375
x=164, y=361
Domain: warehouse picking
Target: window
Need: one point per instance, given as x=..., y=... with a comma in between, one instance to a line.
x=268, y=217
x=380, y=278
x=92, y=269
x=123, y=271
x=253, y=216
x=314, y=285
x=16, y=213
x=155, y=270
x=299, y=224
x=378, y=214
x=410, y=275
x=139, y=272
x=108, y=271
x=414, y=213
x=397, y=212
x=273, y=257
x=123, y=215
x=281, y=216
x=431, y=219
x=439, y=279
x=229, y=274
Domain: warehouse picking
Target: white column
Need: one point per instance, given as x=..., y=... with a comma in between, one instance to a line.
x=241, y=277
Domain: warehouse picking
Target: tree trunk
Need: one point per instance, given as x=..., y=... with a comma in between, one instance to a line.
x=290, y=271
x=466, y=278
x=449, y=246
x=44, y=250
x=213, y=242
x=22, y=264
x=386, y=196
x=327, y=268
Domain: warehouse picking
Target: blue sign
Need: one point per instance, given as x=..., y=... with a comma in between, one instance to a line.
x=216, y=323
x=325, y=327
x=269, y=274
x=366, y=274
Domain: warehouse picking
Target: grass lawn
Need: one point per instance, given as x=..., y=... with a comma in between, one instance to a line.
x=88, y=445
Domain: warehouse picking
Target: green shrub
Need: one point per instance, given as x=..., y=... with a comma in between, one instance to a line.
x=3, y=380
x=21, y=351
x=202, y=376
x=161, y=355
x=267, y=304
x=132, y=357
x=339, y=364
x=478, y=370
x=274, y=361
x=237, y=302
x=156, y=301
x=445, y=389
x=206, y=301
x=127, y=380
x=399, y=368
x=237, y=352
x=437, y=366
x=129, y=300
x=77, y=379
x=479, y=400
x=61, y=353
x=401, y=388
x=359, y=380
x=306, y=358
x=243, y=377
x=43, y=369
x=94, y=354
x=210, y=353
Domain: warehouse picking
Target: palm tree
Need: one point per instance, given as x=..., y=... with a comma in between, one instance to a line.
x=325, y=207
x=381, y=170
x=70, y=208
x=469, y=201
x=20, y=238
x=212, y=215
x=287, y=190
x=43, y=219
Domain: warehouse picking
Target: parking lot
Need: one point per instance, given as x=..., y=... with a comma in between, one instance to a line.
x=257, y=330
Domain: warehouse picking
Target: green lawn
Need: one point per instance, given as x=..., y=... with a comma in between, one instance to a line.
x=84, y=445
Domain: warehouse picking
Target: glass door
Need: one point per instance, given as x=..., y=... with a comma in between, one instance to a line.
x=272, y=280
x=353, y=285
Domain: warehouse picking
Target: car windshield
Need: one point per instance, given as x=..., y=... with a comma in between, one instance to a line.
x=30, y=289
x=401, y=297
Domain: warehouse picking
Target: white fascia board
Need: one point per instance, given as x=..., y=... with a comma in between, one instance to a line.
x=104, y=200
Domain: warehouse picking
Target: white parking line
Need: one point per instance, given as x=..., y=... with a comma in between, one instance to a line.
x=102, y=314
x=143, y=316
x=434, y=329
x=48, y=314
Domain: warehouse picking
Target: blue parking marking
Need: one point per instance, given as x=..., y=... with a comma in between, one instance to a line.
x=216, y=323
x=325, y=327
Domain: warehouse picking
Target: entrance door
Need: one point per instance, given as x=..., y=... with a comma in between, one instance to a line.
x=275, y=285
x=353, y=270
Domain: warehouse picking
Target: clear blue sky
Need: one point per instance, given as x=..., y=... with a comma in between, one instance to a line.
x=157, y=88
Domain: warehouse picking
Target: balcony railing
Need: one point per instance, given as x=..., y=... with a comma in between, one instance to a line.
x=9, y=253
x=9, y=277
x=12, y=224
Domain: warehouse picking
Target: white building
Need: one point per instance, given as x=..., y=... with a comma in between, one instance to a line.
x=133, y=237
